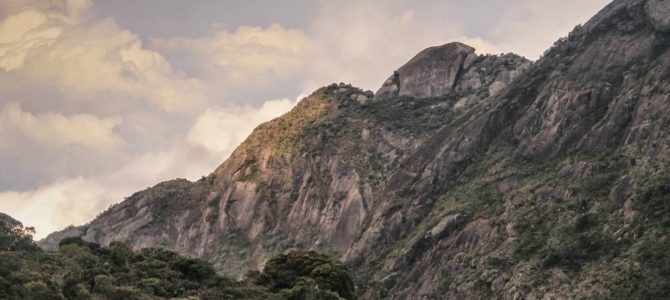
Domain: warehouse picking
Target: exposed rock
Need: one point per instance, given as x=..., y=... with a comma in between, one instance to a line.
x=442, y=228
x=360, y=98
x=496, y=87
x=451, y=68
x=658, y=12
x=461, y=103
x=390, y=88
x=430, y=73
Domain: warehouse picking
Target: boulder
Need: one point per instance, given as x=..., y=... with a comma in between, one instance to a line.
x=431, y=73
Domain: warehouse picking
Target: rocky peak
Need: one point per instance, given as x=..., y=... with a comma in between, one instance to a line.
x=430, y=73
x=453, y=67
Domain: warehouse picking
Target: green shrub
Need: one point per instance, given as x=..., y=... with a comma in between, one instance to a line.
x=83, y=270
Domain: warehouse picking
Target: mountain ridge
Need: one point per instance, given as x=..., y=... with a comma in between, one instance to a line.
x=243, y=165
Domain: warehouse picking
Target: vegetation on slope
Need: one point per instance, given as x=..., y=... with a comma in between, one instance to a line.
x=83, y=270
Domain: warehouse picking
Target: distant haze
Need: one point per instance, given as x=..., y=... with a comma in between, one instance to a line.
x=101, y=99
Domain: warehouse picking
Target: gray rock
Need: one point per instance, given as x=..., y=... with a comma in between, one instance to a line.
x=461, y=103
x=432, y=72
x=447, y=223
x=658, y=12
x=452, y=68
x=389, y=88
x=361, y=99
x=496, y=87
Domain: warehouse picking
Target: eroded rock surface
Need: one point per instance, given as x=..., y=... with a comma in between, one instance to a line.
x=438, y=71
x=659, y=14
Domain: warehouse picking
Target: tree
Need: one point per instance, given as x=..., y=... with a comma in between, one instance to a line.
x=301, y=268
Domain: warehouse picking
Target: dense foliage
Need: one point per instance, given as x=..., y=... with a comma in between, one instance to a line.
x=83, y=270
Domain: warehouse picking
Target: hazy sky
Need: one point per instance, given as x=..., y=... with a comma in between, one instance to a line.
x=99, y=99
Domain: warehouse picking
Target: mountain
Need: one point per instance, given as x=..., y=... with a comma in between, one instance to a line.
x=462, y=177
x=307, y=179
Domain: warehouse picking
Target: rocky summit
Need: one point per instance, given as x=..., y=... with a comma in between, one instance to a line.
x=464, y=176
x=454, y=67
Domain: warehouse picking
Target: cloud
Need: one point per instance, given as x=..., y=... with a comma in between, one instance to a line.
x=215, y=134
x=54, y=206
x=83, y=59
x=248, y=55
x=529, y=27
x=362, y=42
x=77, y=200
x=19, y=34
x=212, y=130
x=359, y=42
x=57, y=130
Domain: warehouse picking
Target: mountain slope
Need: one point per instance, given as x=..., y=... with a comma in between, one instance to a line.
x=308, y=179
x=463, y=177
x=553, y=188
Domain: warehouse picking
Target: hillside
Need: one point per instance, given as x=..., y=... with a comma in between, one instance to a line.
x=463, y=177
x=83, y=270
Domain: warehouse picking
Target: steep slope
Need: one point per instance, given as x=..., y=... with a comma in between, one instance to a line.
x=309, y=179
x=556, y=188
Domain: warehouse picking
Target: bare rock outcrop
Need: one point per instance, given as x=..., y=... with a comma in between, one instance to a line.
x=453, y=67
x=430, y=73
x=658, y=12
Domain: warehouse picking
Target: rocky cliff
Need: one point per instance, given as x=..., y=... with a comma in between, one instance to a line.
x=463, y=177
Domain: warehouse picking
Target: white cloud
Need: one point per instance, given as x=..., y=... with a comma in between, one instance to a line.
x=351, y=41
x=76, y=201
x=19, y=34
x=57, y=205
x=221, y=130
x=57, y=130
x=529, y=27
x=84, y=59
x=215, y=134
x=247, y=57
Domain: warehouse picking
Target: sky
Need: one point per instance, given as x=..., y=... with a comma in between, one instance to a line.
x=100, y=99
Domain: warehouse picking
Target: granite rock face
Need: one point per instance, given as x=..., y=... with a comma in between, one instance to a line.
x=430, y=73
x=659, y=14
x=438, y=71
